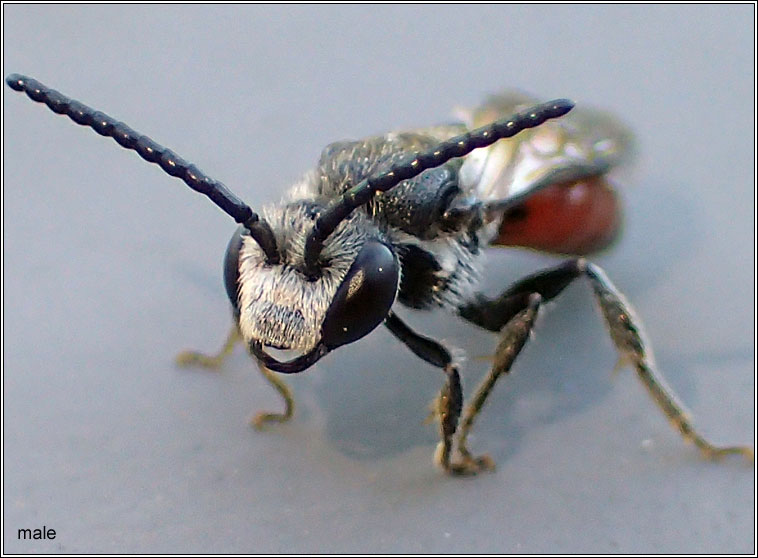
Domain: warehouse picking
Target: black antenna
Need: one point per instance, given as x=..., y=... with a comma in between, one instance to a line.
x=416, y=163
x=153, y=153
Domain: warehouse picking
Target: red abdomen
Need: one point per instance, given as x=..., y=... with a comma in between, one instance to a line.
x=576, y=217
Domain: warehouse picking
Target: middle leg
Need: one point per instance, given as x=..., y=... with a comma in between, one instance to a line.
x=512, y=315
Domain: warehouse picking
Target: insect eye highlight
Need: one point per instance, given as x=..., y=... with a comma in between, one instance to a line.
x=364, y=298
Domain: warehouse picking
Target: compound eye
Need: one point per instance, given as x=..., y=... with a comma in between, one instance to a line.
x=364, y=298
x=231, y=268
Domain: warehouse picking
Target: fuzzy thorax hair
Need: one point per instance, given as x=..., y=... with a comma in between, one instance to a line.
x=279, y=305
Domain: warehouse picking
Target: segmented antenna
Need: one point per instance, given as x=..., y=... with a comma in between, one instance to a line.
x=416, y=163
x=152, y=153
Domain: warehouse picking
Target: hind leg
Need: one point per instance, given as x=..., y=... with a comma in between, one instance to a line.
x=624, y=327
x=626, y=332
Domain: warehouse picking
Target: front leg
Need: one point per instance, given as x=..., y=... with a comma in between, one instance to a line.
x=450, y=401
x=187, y=359
x=262, y=418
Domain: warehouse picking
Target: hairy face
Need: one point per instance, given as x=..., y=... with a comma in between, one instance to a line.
x=281, y=307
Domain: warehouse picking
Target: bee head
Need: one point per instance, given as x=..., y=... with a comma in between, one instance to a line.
x=281, y=306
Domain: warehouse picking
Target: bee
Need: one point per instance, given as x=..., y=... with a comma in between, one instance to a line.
x=404, y=218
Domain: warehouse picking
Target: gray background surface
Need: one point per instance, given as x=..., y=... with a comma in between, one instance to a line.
x=112, y=267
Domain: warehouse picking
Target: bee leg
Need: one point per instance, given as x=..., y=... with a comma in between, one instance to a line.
x=259, y=420
x=625, y=330
x=513, y=337
x=494, y=314
x=212, y=362
x=450, y=401
x=512, y=316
